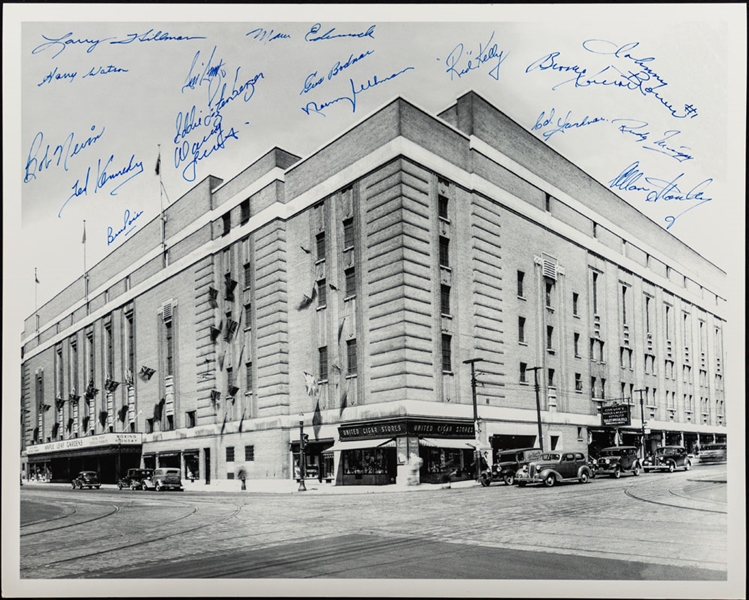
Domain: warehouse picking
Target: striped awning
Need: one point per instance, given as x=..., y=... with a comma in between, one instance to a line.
x=359, y=444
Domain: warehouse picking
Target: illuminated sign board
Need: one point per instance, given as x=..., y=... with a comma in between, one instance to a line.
x=105, y=439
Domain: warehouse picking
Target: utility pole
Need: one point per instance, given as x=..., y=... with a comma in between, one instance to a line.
x=642, y=419
x=472, y=362
x=302, y=486
x=538, y=404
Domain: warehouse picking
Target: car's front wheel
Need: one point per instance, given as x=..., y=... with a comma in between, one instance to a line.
x=688, y=465
x=636, y=470
x=549, y=481
x=617, y=473
x=158, y=487
x=584, y=477
x=671, y=467
x=509, y=479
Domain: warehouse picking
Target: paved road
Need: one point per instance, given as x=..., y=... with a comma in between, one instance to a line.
x=652, y=527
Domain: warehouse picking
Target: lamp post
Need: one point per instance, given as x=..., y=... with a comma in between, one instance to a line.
x=538, y=404
x=302, y=487
x=472, y=362
x=642, y=419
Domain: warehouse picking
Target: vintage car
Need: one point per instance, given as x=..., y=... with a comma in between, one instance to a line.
x=667, y=458
x=617, y=460
x=164, y=479
x=507, y=464
x=713, y=453
x=133, y=479
x=89, y=479
x=554, y=467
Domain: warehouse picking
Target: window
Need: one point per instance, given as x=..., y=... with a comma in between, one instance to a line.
x=149, y=425
x=73, y=365
x=575, y=304
x=445, y=299
x=442, y=202
x=626, y=357
x=595, y=293
x=227, y=223
x=687, y=374
x=578, y=382
x=169, y=348
x=668, y=322
x=624, y=305
x=248, y=316
x=647, y=314
x=59, y=382
x=130, y=326
x=245, y=210
x=350, y=282
x=549, y=292
x=521, y=330
x=593, y=387
x=351, y=357
x=523, y=372
x=249, y=453
x=547, y=202
x=323, y=363
x=110, y=350
x=230, y=454
x=551, y=378
x=669, y=368
x=549, y=338
x=444, y=252
x=577, y=344
x=603, y=387
x=320, y=243
x=248, y=377
x=190, y=419
x=169, y=423
x=593, y=346
x=703, y=378
x=247, y=275
x=446, y=353
x=322, y=293
x=521, y=278
x=229, y=378
x=649, y=364
x=348, y=234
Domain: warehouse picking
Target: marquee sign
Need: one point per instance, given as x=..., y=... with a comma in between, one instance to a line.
x=616, y=415
x=105, y=439
x=401, y=427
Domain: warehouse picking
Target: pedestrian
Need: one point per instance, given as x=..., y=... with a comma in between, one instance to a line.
x=242, y=475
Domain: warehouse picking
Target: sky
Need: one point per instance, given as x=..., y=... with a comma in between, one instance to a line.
x=638, y=96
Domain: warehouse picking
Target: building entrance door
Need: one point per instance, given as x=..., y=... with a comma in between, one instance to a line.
x=207, y=465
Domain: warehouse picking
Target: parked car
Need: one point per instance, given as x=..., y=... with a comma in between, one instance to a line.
x=593, y=466
x=164, y=479
x=89, y=479
x=617, y=460
x=667, y=458
x=712, y=453
x=507, y=464
x=554, y=467
x=133, y=479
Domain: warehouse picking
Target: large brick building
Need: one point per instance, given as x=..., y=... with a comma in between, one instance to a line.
x=346, y=290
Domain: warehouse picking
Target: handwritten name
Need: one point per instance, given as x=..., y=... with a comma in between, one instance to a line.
x=562, y=124
x=127, y=227
x=265, y=35
x=312, y=80
x=207, y=75
x=60, y=44
x=665, y=144
x=313, y=107
x=485, y=53
x=329, y=35
x=631, y=179
x=63, y=152
x=192, y=154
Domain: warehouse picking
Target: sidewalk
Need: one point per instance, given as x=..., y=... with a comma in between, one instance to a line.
x=285, y=486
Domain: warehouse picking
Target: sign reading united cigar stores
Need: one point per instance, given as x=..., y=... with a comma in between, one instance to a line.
x=421, y=427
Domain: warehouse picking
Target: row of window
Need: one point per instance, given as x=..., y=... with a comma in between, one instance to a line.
x=249, y=453
x=351, y=366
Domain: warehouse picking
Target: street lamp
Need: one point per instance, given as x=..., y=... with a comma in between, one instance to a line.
x=472, y=362
x=302, y=487
x=642, y=419
x=538, y=404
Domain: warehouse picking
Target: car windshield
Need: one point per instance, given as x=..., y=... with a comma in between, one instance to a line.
x=171, y=472
x=611, y=453
x=550, y=456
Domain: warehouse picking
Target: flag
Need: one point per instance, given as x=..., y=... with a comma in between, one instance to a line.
x=317, y=420
x=340, y=328
x=241, y=421
x=307, y=300
x=36, y=279
x=223, y=426
x=158, y=163
x=83, y=241
x=311, y=384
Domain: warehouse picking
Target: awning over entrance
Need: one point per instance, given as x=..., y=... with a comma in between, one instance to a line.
x=359, y=444
x=447, y=443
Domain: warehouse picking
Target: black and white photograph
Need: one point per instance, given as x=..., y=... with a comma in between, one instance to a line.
x=374, y=300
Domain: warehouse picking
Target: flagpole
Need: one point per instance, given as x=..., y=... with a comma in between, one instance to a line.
x=36, y=300
x=161, y=205
x=85, y=269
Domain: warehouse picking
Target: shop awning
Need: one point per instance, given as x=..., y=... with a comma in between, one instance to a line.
x=446, y=443
x=359, y=444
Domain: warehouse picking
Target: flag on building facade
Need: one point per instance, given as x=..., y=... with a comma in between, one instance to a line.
x=311, y=384
x=158, y=163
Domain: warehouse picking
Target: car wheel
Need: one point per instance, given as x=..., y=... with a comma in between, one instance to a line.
x=119, y=485
x=671, y=467
x=688, y=465
x=584, y=477
x=617, y=473
x=485, y=481
x=521, y=484
x=549, y=481
x=636, y=470
x=158, y=487
x=73, y=484
x=509, y=479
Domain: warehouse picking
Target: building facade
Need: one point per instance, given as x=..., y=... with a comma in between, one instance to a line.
x=336, y=299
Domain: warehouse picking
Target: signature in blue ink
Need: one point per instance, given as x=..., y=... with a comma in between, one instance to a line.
x=485, y=53
x=96, y=71
x=69, y=148
x=103, y=177
x=645, y=80
x=209, y=72
x=313, y=107
x=54, y=75
x=638, y=129
x=211, y=142
x=312, y=80
x=62, y=42
x=660, y=189
x=265, y=35
x=127, y=227
x=329, y=35
x=562, y=124
x=220, y=97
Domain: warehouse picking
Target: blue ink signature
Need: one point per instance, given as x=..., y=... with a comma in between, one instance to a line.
x=196, y=151
x=313, y=107
x=486, y=52
x=312, y=80
x=207, y=75
x=636, y=128
x=67, y=40
x=329, y=35
x=133, y=169
x=95, y=71
x=660, y=189
x=562, y=125
x=127, y=227
x=64, y=151
x=645, y=80
x=265, y=36
x=53, y=75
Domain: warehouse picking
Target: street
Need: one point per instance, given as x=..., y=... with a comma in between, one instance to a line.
x=657, y=526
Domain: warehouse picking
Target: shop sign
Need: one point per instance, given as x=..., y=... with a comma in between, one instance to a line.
x=105, y=439
x=416, y=427
x=616, y=415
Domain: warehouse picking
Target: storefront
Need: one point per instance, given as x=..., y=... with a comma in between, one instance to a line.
x=378, y=452
x=318, y=460
x=109, y=454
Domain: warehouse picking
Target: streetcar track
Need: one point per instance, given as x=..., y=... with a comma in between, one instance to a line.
x=65, y=516
x=116, y=510
x=707, y=510
x=673, y=493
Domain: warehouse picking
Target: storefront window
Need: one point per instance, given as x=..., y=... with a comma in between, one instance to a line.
x=369, y=461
